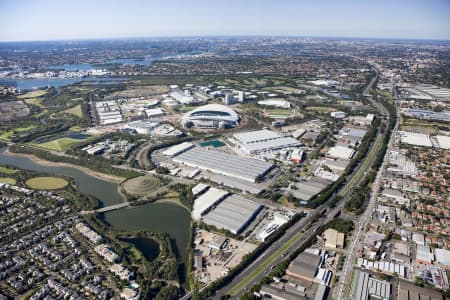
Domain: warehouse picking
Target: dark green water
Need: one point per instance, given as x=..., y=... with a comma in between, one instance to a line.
x=157, y=217
x=148, y=247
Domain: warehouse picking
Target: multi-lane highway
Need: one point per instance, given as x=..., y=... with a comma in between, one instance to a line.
x=341, y=289
x=294, y=238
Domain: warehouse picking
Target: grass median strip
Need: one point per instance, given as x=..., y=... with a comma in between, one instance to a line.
x=362, y=169
x=261, y=267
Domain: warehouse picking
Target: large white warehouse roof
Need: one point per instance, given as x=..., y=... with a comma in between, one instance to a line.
x=264, y=140
x=223, y=163
x=205, y=201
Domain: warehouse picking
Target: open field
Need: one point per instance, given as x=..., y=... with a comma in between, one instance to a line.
x=76, y=111
x=280, y=113
x=7, y=171
x=60, y=145
x=8, y=180
x=46, y=183
x=140, y=186
x=141, y=91
x=34, y=101
x=8, y=134
x=321, y=109
x=33, y=94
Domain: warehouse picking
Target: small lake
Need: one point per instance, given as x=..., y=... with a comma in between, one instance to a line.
x=105, y=191
x=157, y=217
x=148, y=247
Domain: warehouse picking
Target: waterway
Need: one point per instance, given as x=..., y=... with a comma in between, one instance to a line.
x=158, y=217
x=28, y=84
x=155, y=217
x=104, y=190
x=148, y=247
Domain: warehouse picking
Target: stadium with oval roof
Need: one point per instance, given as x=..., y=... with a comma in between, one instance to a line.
x=211, y=116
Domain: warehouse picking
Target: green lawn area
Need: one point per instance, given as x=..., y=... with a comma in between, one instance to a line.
x=8, y=134
x=279, y=112
x=141, y=185
x=76, y=128
x=321, y=109
x=7, y=171
x=46, y=183
x=261, y=267
x=8, y=180
x=33, y=94
x=34, y=101
x=59, y=145
x=76, y=111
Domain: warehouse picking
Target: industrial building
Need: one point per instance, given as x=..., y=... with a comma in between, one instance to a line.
x=211, y=116
x=366, y=287
x=219, y=162
x=141, y=127
x=177, y=149
x=254, y=142
x=333, y=238
x=442, y=257
x=305, y=266
x=203, y=203
x=338, y=114
x=234, y=213
x=341, y=152
x=277, y=293
x=108, y=112
x=416, y=139
x=410, y=291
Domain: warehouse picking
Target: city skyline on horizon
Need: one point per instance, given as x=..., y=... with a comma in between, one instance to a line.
x=81, y=20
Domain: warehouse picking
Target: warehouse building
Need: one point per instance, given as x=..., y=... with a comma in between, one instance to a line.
x=254, y=142
x=305, y=266
x=234, y=214
x=333, y=238
x=203, y=203
x=341, y=152
x=178, y=149
x=219, y=162
x=416, y=139
x=366, y=287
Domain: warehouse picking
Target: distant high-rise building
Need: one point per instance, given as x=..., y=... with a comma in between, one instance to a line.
x=241, y=96
x=229, y=99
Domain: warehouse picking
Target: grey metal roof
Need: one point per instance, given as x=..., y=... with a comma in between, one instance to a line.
x=233, y=213
x=224, y=163
x=306, y=264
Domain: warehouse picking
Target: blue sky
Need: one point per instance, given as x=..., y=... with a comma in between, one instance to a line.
x=87, y=19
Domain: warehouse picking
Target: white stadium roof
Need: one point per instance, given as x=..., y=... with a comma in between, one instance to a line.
x=216, y=112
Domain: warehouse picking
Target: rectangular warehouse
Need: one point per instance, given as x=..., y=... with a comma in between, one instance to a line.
x=223, y=163
x=234, y=213
x=206, y=201
x=254, y=142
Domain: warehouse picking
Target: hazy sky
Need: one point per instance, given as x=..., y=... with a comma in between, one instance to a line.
x=81, y=19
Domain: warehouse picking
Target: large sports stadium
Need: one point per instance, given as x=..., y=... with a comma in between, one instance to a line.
x=211, y=116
